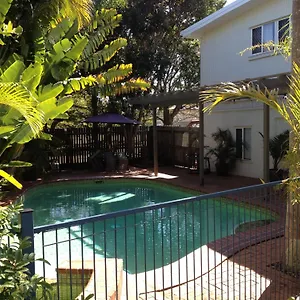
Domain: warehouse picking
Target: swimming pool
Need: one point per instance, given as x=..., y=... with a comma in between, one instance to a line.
x=146, y=240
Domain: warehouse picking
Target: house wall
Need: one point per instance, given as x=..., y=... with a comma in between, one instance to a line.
x=220, y=46
x=244, y=113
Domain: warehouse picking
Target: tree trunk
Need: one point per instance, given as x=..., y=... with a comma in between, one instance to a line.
x=296, y=32
x=292, y=229
x=167, y=117
x=292, y=236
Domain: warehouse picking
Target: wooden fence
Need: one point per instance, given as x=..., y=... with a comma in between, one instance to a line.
x=74, y=146
x=176, y=145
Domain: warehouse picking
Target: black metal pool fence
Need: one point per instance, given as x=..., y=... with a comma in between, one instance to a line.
x=225, y=245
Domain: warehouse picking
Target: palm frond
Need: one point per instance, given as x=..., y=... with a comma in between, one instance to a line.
x=82, y=10
x=17, y=97
x=231, y=91
x=293, y=100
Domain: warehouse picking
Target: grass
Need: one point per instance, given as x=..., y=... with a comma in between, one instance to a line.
x=64, y=288
x=64, y=291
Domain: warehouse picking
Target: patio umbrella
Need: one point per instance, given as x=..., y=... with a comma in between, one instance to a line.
x=111, y=118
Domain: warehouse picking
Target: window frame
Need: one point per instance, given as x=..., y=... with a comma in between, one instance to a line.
x=276, y=35
x=243, y=158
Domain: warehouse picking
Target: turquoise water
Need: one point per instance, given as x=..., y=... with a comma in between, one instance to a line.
x=144, y=241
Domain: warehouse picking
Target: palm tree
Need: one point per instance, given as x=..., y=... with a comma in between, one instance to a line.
x=292, y=228
x=290, y=111
x=43, y=12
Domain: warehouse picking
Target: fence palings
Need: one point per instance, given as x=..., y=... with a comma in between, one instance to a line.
x=78, y=144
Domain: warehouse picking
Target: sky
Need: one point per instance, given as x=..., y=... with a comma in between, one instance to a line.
x=229, y=1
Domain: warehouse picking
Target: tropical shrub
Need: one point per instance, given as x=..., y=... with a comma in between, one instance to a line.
x=16, y=280
x=278, y=147
x=224, y=151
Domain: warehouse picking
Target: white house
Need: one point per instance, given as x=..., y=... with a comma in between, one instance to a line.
x=224, y=35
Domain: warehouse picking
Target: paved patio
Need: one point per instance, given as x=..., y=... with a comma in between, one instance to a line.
x=176, y=176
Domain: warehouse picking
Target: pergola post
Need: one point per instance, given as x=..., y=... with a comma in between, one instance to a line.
x=155, y=149
x=266, y=142
x=201, y=143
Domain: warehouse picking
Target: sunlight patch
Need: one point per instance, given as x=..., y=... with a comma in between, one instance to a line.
x=116, y=197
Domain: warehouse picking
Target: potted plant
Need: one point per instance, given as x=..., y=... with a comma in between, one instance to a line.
x=278, y=147
x=224, y=152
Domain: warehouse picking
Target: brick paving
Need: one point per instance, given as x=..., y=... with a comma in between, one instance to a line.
x=242, y=263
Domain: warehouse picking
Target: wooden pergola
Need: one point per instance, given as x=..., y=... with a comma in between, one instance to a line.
x=279, y=82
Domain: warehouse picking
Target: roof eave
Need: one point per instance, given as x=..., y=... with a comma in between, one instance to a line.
x=196, y=30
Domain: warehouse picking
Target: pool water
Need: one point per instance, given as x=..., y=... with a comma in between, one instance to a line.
x=144, y=241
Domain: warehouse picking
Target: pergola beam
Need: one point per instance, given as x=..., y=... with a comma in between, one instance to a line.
x=279, y=81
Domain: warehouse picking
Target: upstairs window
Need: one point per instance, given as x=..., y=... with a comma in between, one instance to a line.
x=283, y=29
x=274, y=32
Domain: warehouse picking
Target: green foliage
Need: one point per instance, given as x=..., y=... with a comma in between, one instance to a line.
x=10, y=179
x=7, y=29
x=224, y=151
x=111, y=3
x=18, y=101
x=43, y=12
x=159, y=53
x=69, y=52
x=283, y=48
x=36, y=92
x=37, y=84
x=278, y=147
x=16, y=280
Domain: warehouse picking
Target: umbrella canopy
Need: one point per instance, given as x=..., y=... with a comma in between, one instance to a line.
x=111, y=118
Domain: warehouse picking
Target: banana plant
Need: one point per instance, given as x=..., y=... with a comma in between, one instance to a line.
x=86, y=53
x=64, y=61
